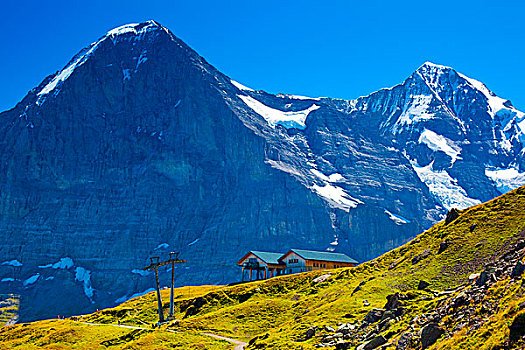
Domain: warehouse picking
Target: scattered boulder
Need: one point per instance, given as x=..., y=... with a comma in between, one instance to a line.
x=415, y=241
x=310, y=333
x=484, y=278
x=373, y=315
x=460, y=300
x=358, y=288
x=422, y=285
x=388, y=315
x=473, y=277
x=321, y=278
x=430, y=334
x=386, y=322
x=452, y=215
x=345, y=328
x=421, y=256
x=194, y=307
x=404, y=340
x=473, y=227
x=259, y=337
x=443, y=246
x=342, y=345
x=393, y=301
x=517, y=327
x=517, y=270
x=366, y=303
x=373, y=343
x=329, y=329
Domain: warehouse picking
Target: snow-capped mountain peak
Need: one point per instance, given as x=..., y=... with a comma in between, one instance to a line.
x=135, y=28
x=433, y=74
x=149, y=30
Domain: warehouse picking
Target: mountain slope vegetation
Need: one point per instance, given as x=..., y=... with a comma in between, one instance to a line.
x=457, y=285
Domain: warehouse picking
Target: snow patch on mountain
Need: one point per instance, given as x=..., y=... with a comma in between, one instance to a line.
x=416, y=110
x=298, y=97
x=162, y=246
x=336, y=197
x=440, y=143
x=505, y=179
x=335, y=177
x=443, y=187
x=14, y=262
x=277, y=117
x=137, y=29
x=140, y=272
x=193, y=242
x=84, y=276
x=399, y=220
x=63, y=263
x=77, y=61
x=240, y=86
x=282, y=166
x=31, y=280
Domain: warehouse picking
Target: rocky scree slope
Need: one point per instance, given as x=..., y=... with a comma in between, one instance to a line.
x=138, y=147
x=457, y=285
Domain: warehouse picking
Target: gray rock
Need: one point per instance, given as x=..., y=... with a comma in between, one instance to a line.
x=452, y=215
x=373, y=343
x=373, y=315
x=517, y=270
x=329, y=329
x=310, y=333
x=421, y=256
x=483, y=279
x=394, y=301
x=422, y=285
x=404, y=340
x=430, y=334
x=517, y=327
x=443, y=246
x=343, y=345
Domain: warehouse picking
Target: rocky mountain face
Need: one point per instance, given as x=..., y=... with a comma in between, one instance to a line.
x=139, y=147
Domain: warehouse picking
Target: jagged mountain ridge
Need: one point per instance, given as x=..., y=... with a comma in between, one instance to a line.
x=139, y=147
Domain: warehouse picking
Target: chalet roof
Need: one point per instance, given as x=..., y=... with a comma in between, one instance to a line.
x=323, y=256
x=268, y=257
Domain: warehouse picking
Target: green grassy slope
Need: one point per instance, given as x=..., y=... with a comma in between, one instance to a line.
x=277, y=313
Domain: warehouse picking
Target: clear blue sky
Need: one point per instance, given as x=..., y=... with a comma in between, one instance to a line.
x=341, y=49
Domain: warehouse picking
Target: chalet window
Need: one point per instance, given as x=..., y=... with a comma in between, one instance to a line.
x=252, y=260
x=293, y=261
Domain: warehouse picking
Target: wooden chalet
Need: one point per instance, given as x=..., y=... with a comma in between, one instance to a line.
x=299, y=260
x=264, y=264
